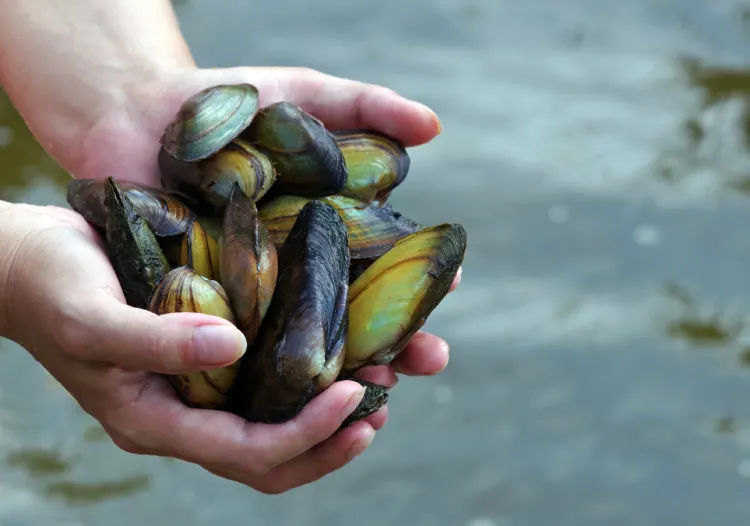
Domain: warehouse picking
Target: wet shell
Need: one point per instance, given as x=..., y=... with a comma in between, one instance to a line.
x=200, y=252
x=248, y=263
x=183, y=290
x=297, y=353
x=210, y=181
x=392, y=299
x=134, y=252
x=165, y=214
x=307, y=159
x=375, y=164
x=371, y=230
x=209, y=120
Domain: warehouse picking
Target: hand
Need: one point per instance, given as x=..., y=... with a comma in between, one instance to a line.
x=105, y=352
x=125, y=143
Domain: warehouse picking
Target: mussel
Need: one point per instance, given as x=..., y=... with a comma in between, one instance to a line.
x=393, y=297
x=281, y=227
x=371, y=230
x=165, y=214
x=200, y=251
x=248, y=263
x=307, y=159
x=134, y=252
x=209, y=120
x=357, y=267
x=183, y=290
x=375, y=164
x=298, y=350
x=209, y=181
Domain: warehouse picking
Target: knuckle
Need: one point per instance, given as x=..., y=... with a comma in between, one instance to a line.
x=386, y=91
x=271, y=487
x=128, y=445
x=260, y=466
x=168, y=353
x=118, y=424
x=71, y=337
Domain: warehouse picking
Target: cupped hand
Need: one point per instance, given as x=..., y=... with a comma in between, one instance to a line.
x=76, y=323
x=126, y=144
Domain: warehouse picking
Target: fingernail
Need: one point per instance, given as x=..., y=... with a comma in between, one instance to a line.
x=353, y=402
x=218, y=344
x=434, y=116
x=457, y=280
x=360, y=445
x=447, y=352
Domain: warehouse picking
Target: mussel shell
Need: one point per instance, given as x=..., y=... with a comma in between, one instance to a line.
x=200, y=251
x=307, y=159
x=164, y=212
x=375, y=164
x=184, y=290
x=357, y=267
x=209, y=182
x=375, y=397
x=209, y=120
x=371, y=230
x=248, y=263
x=392, y=299
x=297, y=353
x=134, y=252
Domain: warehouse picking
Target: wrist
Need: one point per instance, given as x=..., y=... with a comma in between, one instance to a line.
x=11, y=238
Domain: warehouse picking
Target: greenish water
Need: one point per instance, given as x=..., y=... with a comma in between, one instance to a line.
x=597, y=154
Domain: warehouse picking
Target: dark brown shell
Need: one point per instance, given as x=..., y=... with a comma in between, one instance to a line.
x=297, y=353
x=165, y=214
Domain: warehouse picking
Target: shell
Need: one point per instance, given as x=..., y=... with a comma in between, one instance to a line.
x=375, y=164
x=209, y=120
x=393, y=297
x=183, y=290
x=248, y=263
x=297, y=353
x=209, y=182
x=165, y=214
x=200, y=252
x=134, y=252
x=307, y=159
x=371, y=230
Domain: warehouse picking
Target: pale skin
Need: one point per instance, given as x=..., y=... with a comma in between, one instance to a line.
x=97, y=93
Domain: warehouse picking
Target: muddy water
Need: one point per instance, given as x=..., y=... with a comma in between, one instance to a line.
x=597, y=153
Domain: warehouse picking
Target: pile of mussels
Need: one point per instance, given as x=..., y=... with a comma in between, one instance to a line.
x=271, y=221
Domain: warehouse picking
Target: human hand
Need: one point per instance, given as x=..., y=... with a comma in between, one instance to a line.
x=105, y=353
x=125, y=143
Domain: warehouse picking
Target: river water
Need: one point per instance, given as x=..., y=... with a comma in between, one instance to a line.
x=597, y=153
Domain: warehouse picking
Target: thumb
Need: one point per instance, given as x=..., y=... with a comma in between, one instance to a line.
x=110, y=331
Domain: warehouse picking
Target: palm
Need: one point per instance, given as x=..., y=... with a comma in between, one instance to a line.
x=125, y=145
x=94, y=328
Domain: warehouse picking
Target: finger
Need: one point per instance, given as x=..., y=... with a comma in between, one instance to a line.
x=378, y=374
x=457, y=279
x=101, y=328
x=343, y=103
x=424, y=355
x=378, y=419
x=160, y=422
x=318, y=462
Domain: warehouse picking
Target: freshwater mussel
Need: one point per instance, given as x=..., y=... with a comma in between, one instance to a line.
x=298, y=352
x=282, y=227
x=375, y=163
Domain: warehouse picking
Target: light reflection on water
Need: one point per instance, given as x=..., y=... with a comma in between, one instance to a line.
x=597, y=154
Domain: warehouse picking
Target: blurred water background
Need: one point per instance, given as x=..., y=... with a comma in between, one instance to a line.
x=597, y=153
